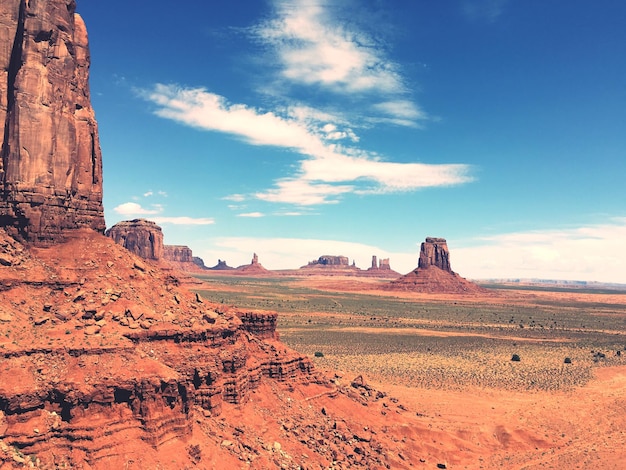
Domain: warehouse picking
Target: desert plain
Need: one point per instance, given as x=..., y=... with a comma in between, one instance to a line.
x=450, y=361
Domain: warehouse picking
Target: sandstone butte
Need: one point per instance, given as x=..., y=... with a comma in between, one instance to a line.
x=51, y=165
x=106, y=360
x=434, y=273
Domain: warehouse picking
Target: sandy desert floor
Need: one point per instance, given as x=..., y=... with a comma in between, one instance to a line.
x=448, y=361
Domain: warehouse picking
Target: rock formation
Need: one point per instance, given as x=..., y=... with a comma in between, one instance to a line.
x=434, y=273
x=51, y=164
x=221, y=266
x=107, y=361
x=380, y=268
x=253, y=268
x=198, y=262
x=434, y=252
x=111, y=348
x=328, y=260
x=181, y=257
x=177, y=253
x=139, y=236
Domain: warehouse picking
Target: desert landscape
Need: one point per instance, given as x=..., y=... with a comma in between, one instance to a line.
x=118, y=351
x=449, y=359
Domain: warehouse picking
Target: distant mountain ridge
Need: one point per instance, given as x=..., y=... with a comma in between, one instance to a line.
x=572, y=284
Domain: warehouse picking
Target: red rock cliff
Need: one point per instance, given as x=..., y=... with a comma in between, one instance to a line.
x=178, y=253
x=434, y=252
x=51, y=164
x=139, y=236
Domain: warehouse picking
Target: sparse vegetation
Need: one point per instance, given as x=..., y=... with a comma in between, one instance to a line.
x=437, y=343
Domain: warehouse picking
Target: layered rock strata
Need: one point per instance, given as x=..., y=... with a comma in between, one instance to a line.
x=111, y=348
x=177, y=254
x=51, y=163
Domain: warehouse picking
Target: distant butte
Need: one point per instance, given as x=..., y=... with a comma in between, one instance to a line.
x=434, y=273
x=254, y=268
x=221, y=265
x=145, y=238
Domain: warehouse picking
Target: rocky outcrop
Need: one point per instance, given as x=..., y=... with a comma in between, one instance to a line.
x=380, y=269
x=254, y=268
x=328, y=260
x=434, y=273
x=139, y=236
x=111, y=348
x=198, y=262
x=177, y=253
x=51, y=163
x=221, y=266
x=434, y=252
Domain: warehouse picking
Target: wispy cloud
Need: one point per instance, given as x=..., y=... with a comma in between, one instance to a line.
x=314, y=48
x=134, y=209
x=254, y=215
x=325, y=162
x=592, y=253
x=235, y=198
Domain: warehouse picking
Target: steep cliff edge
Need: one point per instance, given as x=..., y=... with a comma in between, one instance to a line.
x=51, y=163
x=103, y=346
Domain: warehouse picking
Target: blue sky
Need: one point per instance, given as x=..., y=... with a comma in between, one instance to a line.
x=300, y=128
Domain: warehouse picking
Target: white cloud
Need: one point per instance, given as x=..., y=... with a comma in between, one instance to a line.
x=148, y=194
x=323, y=166
x=133, y=209
x=292, y=253
x=184, y=220
x=303, y=192
x=235, y=198
x=252, y=214
x=402, y=109
x=589, y=253
x=314, y=48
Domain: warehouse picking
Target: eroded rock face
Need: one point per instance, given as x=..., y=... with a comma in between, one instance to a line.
x=140, y=236
x=119, y=353
x=51, y=163
x=434, y=274
x=221, y=266
x=434, y=252
x=178, y=253
x=328, y=260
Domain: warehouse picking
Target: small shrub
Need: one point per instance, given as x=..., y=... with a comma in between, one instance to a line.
x=319, y=354
x=515, y=358
x=567, y=360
